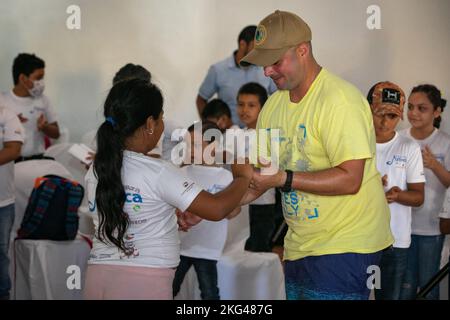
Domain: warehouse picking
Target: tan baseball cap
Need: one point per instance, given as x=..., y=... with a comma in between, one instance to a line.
x=275, y=35
x=387, y=98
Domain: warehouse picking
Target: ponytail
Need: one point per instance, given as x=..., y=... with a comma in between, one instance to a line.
x=127, y=107
x=110, y=193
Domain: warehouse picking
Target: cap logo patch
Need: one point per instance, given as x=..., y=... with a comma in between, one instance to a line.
x=390, y=96
x=260, y=35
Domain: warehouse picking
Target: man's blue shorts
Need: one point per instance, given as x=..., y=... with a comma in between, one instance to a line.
x=330, y=277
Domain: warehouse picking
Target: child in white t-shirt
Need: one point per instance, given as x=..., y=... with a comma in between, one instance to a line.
x=425, y=105
x=133, y=198
x=32, y=107
x=399, y=162
x=11, y=139
x=250, y=100
x=203, y=244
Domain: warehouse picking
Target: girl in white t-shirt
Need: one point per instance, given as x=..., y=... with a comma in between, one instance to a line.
x=133, y=198
x=399, y=162
x=425, y=106
x=203, y=244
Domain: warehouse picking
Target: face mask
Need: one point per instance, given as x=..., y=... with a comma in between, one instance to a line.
x=38, y=88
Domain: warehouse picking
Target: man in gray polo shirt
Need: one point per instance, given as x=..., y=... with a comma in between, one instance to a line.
x=226, y=77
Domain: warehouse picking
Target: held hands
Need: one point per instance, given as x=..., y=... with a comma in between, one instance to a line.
x=260, y=183
x=244, y=170
x=267, y=177
x=41, y=122
x=186, y=220
x=429, y=161
x=393, y=194
x=90, y=157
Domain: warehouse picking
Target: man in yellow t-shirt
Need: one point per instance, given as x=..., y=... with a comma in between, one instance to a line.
x=333, y=199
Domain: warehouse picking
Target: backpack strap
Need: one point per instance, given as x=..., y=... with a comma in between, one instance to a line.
x=76, y=193
x=45, y=195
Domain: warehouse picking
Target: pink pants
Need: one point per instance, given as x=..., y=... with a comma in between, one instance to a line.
x=113, y=282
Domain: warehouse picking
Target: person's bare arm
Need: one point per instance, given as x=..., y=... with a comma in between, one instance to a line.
x=343, y=179
x=430, y=162
x=234, y=213
x=200, y=102
x=444, y=225
x=10, y=151
x=217, y=206
x=412, y=197
x=251, y=195
x=49, y=129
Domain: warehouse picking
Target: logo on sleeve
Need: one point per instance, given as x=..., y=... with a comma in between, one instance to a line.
x=187, y=187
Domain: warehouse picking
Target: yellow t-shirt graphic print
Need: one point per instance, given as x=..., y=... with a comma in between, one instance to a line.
x=330, y=125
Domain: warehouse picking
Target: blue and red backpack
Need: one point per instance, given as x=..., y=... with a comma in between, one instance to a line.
x=52, y=210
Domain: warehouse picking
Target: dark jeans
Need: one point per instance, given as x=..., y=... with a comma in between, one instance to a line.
x=262, y=228
x=6, y=224
x=206, y=273
x=424, y=258
x=392, y=266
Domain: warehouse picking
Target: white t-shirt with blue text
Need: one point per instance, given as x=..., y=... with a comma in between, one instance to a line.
x=154, y=188
x=401, y=160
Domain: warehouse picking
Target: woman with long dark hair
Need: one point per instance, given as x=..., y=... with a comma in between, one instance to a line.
x=134, y=197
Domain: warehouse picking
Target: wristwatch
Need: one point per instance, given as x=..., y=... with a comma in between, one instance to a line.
x=288, y=183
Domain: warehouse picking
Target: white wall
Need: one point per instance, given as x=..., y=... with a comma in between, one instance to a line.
x=177, y=40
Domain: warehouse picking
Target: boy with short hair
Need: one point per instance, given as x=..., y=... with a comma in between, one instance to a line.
x=32, y=107
x=250, y=100
x=217, y=111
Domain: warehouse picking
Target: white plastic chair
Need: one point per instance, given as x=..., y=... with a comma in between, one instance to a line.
x=42, y=264
x=60, y=153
